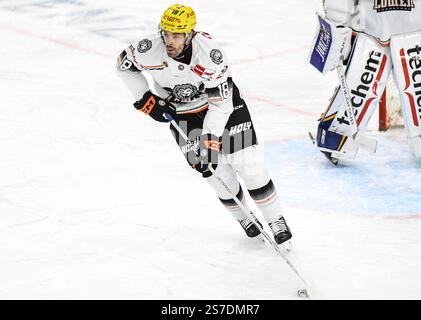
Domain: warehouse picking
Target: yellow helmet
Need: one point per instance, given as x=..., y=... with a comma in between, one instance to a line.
x=178, y=19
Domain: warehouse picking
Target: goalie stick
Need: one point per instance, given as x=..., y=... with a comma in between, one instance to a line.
x=366, y=143
x=331, y=44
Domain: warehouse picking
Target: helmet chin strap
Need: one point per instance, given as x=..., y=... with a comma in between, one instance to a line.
x=189, y=38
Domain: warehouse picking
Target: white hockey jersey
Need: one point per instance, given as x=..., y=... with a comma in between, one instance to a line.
x=378, y=18
x=202, y=84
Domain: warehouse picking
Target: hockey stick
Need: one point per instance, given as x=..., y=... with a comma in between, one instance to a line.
x=301, y=292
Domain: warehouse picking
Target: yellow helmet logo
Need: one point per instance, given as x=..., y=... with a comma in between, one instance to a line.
x=178, y=19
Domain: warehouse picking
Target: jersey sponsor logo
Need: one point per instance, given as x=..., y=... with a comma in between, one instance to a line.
x=393, y=5
x=240, y=127
x=413, y=75
x=185, y=92
x=144, y=45
x=370, y=78
x=202, y=72
x=216, y=56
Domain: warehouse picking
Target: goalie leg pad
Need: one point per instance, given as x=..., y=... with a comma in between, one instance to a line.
x=406, y=56
x=368, y=68
x=327, y=139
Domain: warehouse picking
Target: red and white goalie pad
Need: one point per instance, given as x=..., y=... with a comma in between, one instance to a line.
x=366, y=75
x=367, y=72
x=406, y=56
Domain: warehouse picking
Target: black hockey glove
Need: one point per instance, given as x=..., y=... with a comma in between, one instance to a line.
x=206, y=155
x=155, y=106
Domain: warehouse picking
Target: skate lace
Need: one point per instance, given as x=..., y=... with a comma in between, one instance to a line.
x=245, y=223
x=278, y=226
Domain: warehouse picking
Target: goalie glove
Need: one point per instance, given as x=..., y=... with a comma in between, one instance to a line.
x=206, y=154
x=155, y=106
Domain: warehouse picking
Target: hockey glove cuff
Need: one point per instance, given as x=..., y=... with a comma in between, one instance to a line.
x=155, y=106
x=207, y=154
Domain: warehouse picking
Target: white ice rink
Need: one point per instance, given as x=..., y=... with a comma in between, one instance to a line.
x=97, y=202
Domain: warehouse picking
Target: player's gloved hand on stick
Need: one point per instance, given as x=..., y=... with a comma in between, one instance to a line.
x=207, y=154
x=155, y=106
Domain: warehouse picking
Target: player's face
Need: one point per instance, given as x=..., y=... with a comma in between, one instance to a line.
x=174, y=43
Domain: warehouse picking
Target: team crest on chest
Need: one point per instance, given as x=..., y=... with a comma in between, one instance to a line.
x=216, y=56
x=185, y=92
x=393, y=5
x=144, y=45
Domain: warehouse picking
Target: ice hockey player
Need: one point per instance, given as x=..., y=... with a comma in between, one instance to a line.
x=373, y=39
x=193, y=83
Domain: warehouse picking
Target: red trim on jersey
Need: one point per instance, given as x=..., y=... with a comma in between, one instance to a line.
x=194, y=111
x=407, y=84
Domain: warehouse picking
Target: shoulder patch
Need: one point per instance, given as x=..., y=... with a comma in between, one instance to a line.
x=216, y=56
x=144, y=45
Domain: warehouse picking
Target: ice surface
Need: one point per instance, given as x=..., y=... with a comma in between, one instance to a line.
x=97, y=202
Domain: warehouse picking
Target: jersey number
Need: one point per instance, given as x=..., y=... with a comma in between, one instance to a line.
x=224, y=90
x=126, y=64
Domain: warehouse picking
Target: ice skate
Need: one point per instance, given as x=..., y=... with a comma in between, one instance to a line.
x=250, y=227
x=280, y=230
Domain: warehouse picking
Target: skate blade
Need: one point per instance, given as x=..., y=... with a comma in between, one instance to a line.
x=333, y=160
x=286, y=246
x=260, y=237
